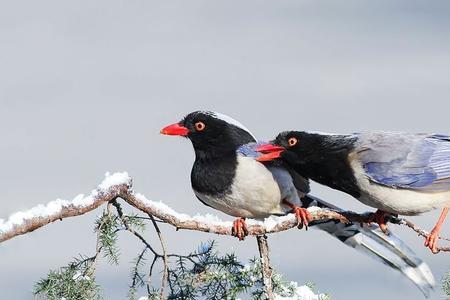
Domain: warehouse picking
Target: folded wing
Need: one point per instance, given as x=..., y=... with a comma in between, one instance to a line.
x=410, y=161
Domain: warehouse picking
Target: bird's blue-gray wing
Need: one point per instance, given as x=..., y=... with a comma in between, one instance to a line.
x=249, y=150
x=411, y=161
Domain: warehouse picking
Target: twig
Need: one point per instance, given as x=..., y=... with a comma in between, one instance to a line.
x=146, y=218
x=130, y=229
x=98, y=248
x=419, y=231
x=135, y=269
x=165, y=260
x=263, y=247
x=150, y=273
x=156, y=255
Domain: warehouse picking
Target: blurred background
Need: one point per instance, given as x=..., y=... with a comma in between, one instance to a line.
x=85, y=87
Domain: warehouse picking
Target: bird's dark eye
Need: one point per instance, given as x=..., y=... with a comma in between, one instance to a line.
x=292, y=141
x=200, y=126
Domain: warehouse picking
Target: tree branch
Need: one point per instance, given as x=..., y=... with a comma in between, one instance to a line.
x=119, y=185
x=263, y=248
x=165, y=260
x=98, y=248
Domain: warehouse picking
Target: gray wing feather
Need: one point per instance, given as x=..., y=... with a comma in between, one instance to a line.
x=285, y=182
x=401, y=160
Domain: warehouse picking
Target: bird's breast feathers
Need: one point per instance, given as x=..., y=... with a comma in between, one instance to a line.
x=254, y=193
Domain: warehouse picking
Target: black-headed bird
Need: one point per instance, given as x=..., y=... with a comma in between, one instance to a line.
x=226, y=176
x=397, y=173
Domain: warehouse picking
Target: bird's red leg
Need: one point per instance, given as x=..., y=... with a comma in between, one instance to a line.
x=432, y=239
x=239, y=229
x=302, y=214
x=380, y=218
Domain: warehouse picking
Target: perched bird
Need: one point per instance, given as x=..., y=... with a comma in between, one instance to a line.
x=227, y=176
x=397, y=173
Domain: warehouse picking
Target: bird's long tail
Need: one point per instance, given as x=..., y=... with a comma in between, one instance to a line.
x=370, y=240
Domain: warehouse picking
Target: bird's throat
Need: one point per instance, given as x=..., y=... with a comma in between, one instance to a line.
x=213, y=174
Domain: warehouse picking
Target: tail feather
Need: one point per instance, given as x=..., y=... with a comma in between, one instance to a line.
x=371, y=241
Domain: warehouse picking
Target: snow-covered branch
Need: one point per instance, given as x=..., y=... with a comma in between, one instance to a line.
x=119, y=185
x=23, y=222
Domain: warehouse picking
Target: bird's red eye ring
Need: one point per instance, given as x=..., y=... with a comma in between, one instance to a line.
x=292, y=141
x=200, y=126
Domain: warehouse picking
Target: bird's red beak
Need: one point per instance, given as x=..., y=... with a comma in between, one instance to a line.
x=269, y=152
x=175, y=129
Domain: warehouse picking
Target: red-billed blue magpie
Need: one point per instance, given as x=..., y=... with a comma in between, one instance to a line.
x=397, y=173
x=227, y=176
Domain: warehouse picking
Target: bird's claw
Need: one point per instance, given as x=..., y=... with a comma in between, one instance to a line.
x=379, y=217
x=239, y=229
x=431, y=241
x=303, y=217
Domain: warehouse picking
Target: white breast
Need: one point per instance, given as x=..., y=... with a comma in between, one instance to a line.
x=254, y=192
x=397, y=201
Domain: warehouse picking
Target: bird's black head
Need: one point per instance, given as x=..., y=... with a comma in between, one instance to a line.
x=298, y=144
x=211, y=133
x=291, y=146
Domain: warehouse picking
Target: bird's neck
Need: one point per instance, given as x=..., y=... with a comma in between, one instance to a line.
x=326, y=162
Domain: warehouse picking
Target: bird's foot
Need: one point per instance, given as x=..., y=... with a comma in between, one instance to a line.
x=303, y=217
x=379, y=217
x=239, y=229
x=431, y=241
x=302, y=214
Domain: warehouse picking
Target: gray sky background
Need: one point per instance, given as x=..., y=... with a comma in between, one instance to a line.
x=85, y=87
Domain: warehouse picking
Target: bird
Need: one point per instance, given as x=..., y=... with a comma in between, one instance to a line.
x=395, y=172
x=227, y=176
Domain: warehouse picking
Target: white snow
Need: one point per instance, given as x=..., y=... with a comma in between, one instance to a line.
x=313, y=209
x=37, y=211
x=212, y=219
x=301, y=293
x=272, y=221
x=164, y=209
x=55, y=206
x=79, y=276
x=115, y=179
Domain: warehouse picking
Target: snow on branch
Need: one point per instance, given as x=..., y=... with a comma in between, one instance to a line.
x=26, y=221
x=119, y=185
